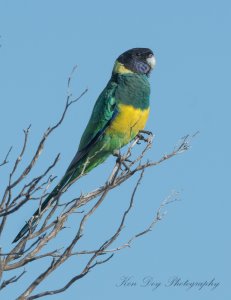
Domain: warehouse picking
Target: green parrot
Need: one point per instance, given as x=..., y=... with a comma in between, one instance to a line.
x=120, y=112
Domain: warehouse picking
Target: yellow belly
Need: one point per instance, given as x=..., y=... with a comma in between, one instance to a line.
x=128, y=122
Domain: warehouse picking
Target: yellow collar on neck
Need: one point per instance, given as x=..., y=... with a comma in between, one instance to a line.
x=120, y=68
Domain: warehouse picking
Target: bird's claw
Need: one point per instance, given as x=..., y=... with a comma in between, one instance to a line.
x=141, y=137
x=146, y=132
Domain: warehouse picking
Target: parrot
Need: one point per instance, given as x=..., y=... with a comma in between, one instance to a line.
x=120, y=112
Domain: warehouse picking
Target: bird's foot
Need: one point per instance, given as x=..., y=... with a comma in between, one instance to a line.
x=116, y=153
x=146, y=132
x=141, y=136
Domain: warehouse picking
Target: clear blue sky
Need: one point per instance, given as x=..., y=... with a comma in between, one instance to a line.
x=40, y=43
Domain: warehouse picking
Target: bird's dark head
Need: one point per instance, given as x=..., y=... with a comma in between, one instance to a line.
x=136, y=60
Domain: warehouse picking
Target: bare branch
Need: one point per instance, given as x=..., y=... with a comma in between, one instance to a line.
x=11, y=280
x=5, y=161
x=29, y=189
x=8, y=205
x=45, y=226
x=19, y=158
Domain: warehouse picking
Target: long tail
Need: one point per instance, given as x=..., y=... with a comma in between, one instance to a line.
x=72, y=173
x=48, y=201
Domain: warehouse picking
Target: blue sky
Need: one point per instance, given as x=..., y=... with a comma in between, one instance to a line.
x=40, y=43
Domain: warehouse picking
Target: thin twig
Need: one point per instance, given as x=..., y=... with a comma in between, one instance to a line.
x=5, y=161
x=11, y=280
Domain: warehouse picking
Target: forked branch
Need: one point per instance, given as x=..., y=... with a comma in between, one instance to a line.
x=35, y=246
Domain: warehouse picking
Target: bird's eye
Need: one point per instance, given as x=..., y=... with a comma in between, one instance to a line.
x=138, y=54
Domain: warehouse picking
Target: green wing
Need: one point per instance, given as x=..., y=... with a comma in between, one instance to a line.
x=103, y=113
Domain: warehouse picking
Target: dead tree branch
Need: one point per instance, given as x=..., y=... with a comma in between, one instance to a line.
x=5, y=161
x=52, y=221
